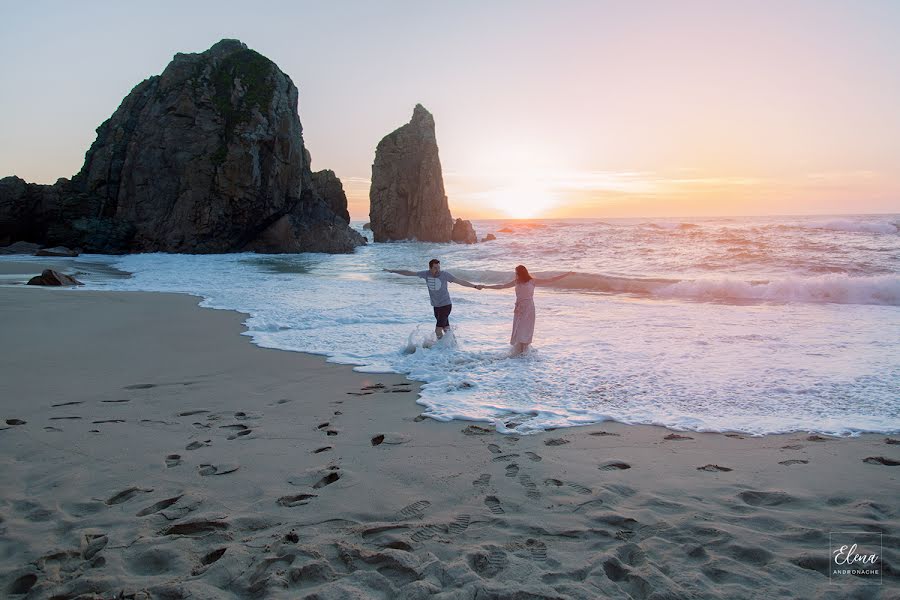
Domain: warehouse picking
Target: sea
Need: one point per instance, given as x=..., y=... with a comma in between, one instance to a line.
x=756, y=325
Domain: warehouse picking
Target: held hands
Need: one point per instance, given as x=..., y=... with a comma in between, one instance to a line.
x=479, y=287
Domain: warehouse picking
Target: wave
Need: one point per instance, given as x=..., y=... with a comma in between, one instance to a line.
x=836, y=288
x=857, y=226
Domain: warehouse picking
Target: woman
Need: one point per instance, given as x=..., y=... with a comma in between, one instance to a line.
x=523, y=317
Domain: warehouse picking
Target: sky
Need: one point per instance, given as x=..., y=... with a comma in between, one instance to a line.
x=542, y=109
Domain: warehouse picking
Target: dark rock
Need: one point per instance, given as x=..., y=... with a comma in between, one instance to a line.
x=20, y=248
x=328, y=187
x=367, y=227
x=51, y=277
x=57, y=251
x=489, y=238
x=206, y=157
x=463, y=232
x=407, y=199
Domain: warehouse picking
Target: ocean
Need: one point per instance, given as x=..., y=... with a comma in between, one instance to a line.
x=753, y=324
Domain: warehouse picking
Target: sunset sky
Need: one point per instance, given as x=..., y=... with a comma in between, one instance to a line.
x=556, y=109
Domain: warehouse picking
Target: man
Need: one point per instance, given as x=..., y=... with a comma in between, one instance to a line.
x=437, y=282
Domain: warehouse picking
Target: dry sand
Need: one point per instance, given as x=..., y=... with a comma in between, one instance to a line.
x=151, y=451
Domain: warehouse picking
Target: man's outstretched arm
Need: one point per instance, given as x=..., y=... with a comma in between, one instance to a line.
x=465, y=283
x=400, y=272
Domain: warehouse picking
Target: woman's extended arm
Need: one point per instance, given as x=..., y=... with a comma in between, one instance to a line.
x=551, y=279
x=500, y=286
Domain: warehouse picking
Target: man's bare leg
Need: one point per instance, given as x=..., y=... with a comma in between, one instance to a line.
x=439, y=332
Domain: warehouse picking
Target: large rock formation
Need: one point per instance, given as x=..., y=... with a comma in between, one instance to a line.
x=206, y=157
x=407, y=199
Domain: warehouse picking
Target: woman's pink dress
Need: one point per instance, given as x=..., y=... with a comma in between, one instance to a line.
x=523, y=318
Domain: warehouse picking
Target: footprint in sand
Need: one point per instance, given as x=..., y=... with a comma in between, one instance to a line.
x=556, y=442
x=296, y=500
x=530, y=488
x=504, y=457
x=793, y=461
x=755, y=498
x=604, y=433
x=614, y=465
x=792, y=447
x=493, y=505
x=533, y=457
x=221, y=469
x=197, y=444
x=322, y=449
x=327, y=480
x=240, y=434
x=714, y=468
x=52, y=429
x=460, y=524
x=377, y=440
x=537, y=548
x=64, y=418
x=190, y=413
x=891, y=441
x=488, y=565
x=158, y=506
x=419, y=418
x=67, y=403
x=93, y=543
x=881, y=460
x=816, y=438
x=426, y=533
x=675, y=437
x=197, y=527
x=101, y=421
x=173, y=460
x=322, y=425
x=494, y=448
x=331, y=432
x=512, y=470
x=126, y=495
x=579, y=488
x=15, y=422
x=482, y=482
x=116, y=401
x=140, y=386
x=476, y=430
x=413, y=511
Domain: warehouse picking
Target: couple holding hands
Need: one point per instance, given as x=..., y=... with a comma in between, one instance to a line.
x=523, y=318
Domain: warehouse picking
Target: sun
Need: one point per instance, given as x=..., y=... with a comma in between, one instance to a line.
x=522, y=201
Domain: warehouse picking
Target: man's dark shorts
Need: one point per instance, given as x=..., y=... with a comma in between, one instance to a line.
x=442, y=314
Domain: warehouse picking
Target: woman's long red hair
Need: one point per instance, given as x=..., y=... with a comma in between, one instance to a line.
x=522, y=275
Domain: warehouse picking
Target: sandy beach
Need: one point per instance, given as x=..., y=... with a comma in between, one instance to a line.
x=148, y=450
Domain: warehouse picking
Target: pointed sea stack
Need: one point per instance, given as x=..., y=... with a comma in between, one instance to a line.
x=207, y=157
x=407, y=199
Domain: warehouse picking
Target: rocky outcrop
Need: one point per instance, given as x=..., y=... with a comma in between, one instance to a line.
x=206, y=157
x=407, y=199
x=489, y=238
x=51, y=277
x=20, y=248
x=329, y=188
x=463, y=232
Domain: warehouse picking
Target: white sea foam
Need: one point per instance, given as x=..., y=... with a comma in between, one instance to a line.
x=651, y=329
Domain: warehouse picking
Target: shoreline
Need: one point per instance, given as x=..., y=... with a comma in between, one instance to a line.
x=161, y=454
